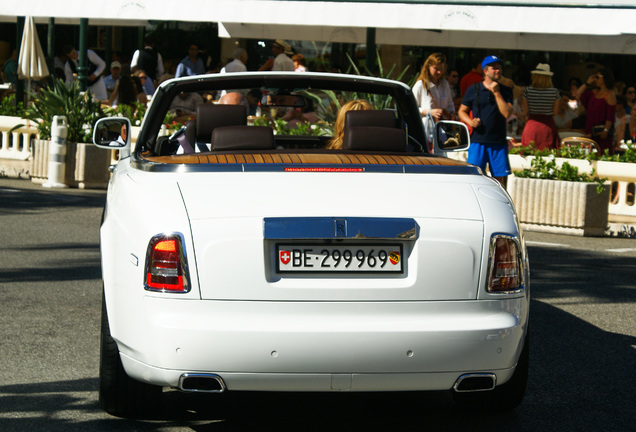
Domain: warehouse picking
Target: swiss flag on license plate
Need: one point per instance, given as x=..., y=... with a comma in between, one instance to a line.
x=285, y=257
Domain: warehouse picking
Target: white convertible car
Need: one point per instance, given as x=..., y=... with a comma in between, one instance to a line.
x=241, y=253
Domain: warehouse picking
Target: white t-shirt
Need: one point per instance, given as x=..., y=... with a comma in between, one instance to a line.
x=234, y=66
x=567, y=116
x=441, y=93
x=283, y=63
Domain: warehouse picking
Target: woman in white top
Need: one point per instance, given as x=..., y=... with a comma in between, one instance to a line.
x=433, y=94
x=431, y=90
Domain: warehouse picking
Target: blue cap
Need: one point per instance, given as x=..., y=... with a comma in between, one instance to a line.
x=490, y=60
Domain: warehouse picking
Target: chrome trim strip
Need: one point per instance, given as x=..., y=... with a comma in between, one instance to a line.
x=358, y=228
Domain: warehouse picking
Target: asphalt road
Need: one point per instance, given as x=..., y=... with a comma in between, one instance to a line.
x=583, y=339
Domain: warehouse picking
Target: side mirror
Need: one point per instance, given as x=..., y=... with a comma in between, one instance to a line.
x=451, y=135
x=112, y=133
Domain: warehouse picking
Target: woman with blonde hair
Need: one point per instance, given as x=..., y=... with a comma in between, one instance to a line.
x=432, y=91
x=338, y=129
x=540, y=101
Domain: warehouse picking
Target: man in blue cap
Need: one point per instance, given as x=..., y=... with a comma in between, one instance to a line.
x=491, y=105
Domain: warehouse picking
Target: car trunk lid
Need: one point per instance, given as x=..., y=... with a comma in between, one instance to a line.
x=240, y=228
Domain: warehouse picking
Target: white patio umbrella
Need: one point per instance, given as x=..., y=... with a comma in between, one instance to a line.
x=31, y=61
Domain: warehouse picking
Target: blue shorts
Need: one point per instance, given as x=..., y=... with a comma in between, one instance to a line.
x=495, y=155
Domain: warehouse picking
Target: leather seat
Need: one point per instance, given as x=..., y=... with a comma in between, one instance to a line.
x=373, y=131
x=211, y=116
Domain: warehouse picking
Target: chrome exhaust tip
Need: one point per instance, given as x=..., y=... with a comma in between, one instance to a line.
x=204, y=383
x=475, y=382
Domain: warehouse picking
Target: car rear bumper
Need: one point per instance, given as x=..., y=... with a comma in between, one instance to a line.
x=290, y=346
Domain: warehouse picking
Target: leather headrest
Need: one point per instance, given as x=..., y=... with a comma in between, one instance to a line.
x=243, y=138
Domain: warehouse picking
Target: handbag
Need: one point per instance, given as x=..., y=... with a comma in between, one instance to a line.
x=597, y=130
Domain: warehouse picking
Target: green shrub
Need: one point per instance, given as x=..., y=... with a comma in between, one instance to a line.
x=79, y=108
x=547, y=169
x=8, y=107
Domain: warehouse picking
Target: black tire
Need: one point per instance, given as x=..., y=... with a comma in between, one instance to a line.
x=119, y=394
x=505, y=397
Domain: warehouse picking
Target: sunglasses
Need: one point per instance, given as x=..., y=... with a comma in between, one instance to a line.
x=631, y=91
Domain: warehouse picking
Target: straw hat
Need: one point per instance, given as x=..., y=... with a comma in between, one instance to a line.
x=543, y=69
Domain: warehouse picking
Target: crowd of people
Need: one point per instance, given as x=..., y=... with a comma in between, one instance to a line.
x=498, y=111
x=136, y=83
x=501, y=113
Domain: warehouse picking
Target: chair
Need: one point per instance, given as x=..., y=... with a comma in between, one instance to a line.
x=588, y=144
x=567, y=133
x=243, y=138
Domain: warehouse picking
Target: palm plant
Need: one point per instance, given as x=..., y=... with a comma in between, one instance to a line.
x=329, y=103
x=79, y=107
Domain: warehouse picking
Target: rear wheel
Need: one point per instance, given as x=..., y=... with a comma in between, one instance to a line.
x=505, y=397
x=119, y=394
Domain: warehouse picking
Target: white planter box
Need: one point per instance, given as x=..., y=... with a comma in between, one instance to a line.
x=86, y=165
x=560, y=206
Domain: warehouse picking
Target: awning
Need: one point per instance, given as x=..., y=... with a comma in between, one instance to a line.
x=555, y=25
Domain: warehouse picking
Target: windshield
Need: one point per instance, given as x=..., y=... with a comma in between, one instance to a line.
x=299, y=116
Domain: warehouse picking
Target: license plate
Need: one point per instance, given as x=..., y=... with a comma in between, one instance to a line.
x=339, y=258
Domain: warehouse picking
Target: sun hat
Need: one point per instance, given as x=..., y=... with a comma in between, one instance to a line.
x=490, y=60
x=281, y=43
x=115, y=64
x=543, y=69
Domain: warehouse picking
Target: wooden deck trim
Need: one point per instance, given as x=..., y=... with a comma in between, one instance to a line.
x=335, y=158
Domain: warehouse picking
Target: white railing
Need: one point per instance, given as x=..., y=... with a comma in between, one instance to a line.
x=621, y=175
x=16, y=144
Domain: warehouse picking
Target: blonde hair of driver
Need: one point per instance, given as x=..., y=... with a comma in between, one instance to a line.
x=338, y=129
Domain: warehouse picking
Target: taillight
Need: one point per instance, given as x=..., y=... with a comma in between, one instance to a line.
x=166, y=265
x=505, y=265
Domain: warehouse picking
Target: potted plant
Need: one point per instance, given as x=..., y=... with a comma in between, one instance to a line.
x=85, y=165
x=619, y=168
x=554, y=198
